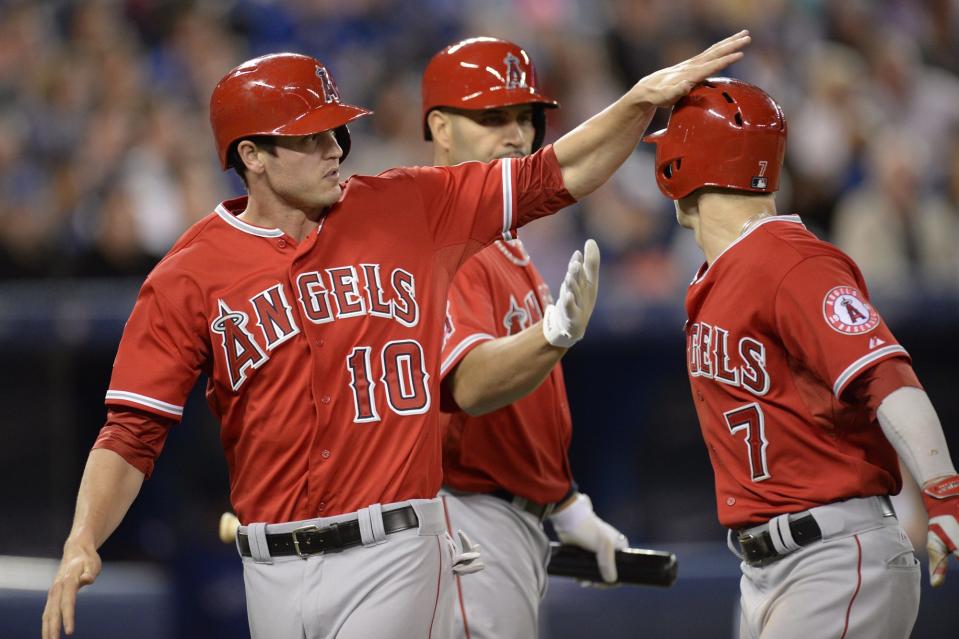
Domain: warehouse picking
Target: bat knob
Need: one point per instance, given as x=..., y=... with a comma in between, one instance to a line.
x=229, y=524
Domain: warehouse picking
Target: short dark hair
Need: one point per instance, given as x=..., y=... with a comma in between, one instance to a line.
x=233, y=161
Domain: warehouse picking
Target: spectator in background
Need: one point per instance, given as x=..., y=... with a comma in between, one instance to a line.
x=885, y=226
x=828, y=131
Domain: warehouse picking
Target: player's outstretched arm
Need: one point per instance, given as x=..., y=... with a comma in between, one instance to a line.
x=911, y=425
x=589, y=154
x=500, y=371
x=108, y=487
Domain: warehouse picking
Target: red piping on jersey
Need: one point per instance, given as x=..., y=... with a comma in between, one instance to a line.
x=439, y=579
x=845, y=628
x=459, y=585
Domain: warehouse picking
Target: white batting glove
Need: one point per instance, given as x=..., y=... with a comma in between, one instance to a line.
x=577, y=524
x=468, y=560
x=564, y=323
x=942, y=503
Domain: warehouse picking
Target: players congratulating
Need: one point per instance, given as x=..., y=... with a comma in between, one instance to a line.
x=333, y=474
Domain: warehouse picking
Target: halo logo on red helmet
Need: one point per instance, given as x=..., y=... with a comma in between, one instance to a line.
x=279, y=94
x=726, y=133
x=484, y=73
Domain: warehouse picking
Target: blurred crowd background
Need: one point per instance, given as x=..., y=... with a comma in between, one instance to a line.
x=106, y=156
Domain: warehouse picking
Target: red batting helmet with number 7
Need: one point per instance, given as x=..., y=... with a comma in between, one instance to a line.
x=725, y=133
x=279, y=94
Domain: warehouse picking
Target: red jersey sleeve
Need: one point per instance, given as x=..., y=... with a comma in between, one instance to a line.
x=470, y=318
x=878, y=382
x=160, y=354
x=136, y=436
x=482, y=202
x=826, y=321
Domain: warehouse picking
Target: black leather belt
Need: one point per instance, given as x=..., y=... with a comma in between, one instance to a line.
x=310, y=540
x=540, y=511
x=758, y=548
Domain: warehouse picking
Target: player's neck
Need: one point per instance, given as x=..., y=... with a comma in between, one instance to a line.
x=295, y=222
x=441, y=157
x=725, y=217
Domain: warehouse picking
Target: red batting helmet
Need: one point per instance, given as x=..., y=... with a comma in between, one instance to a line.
x=279, y=94
x=483, y=73
x=725, y=133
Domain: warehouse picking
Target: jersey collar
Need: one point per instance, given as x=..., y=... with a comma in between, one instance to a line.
x=514, y=251
x=229, y=209
x=793, y=219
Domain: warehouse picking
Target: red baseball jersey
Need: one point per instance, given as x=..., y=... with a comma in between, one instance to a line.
x=779, y=325
x=520, y=448
x=323, y=356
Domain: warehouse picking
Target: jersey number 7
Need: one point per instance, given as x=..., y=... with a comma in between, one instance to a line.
x=750, y=418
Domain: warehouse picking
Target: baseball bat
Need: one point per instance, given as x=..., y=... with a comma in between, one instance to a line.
x=229, y=524
x=633, y=565
x=636, y=566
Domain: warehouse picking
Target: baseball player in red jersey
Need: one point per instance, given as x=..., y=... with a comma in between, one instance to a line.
x=803, y=394
x=315, y=308
x=505, y=460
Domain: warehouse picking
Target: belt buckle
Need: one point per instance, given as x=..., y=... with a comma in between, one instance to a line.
x=296, y=541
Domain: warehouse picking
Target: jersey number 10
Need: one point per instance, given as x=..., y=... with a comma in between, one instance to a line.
x=402, y=374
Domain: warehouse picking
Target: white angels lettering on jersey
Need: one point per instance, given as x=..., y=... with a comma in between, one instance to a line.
x=336, y=293
x=713, y=353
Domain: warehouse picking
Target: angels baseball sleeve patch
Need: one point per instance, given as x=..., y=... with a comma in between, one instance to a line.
x=847, y=311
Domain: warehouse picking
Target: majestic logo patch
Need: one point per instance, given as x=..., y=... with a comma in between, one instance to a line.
x=847, y=312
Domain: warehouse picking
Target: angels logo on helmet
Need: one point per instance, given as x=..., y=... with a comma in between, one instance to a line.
x=515, y=78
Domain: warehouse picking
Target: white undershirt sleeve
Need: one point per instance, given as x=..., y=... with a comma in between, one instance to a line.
x=912, y=426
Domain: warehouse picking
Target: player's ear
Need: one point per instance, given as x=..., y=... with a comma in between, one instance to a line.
x=440, y=125
x=248, y=152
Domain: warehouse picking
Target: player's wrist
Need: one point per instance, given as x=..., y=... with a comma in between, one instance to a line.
x=579, y=509
x=941, y=488
x=942, y=483
x=80, y=544
x=557, y=327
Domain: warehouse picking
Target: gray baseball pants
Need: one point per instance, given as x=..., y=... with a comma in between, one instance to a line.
x=397, y=585
x=860, y=582
x=502, y=600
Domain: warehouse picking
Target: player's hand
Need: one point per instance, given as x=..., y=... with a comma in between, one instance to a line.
x=564, y=323
x=468, y=559
x=942, y=503
x=664, y=87
x=578, y=524
x=79, y=567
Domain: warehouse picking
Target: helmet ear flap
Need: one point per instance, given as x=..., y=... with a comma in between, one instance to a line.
x=539, y=125
x=671, y=168
x=342, y=135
